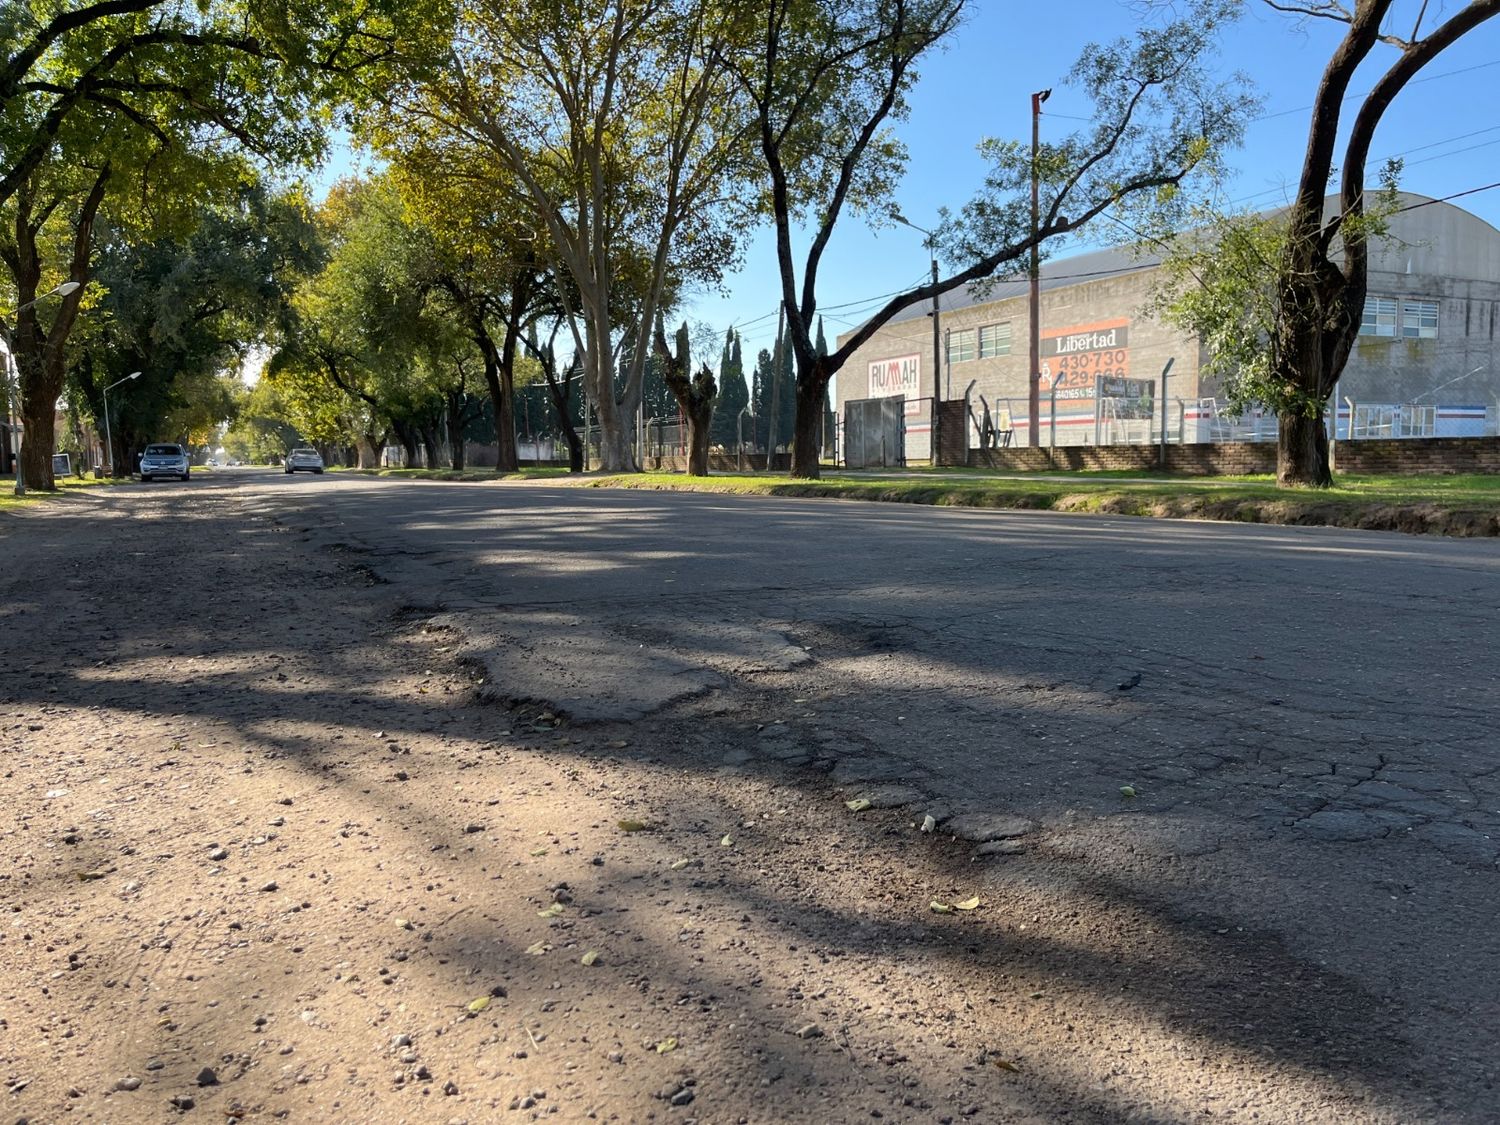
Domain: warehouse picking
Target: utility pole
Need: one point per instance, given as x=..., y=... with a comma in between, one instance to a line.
x=1034, y=391
x=937, y=352
x=937, y=331
x=776, y=361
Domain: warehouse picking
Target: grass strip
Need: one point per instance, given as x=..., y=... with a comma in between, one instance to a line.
x=1440, y=506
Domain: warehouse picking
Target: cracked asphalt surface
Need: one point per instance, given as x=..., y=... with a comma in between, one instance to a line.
x=1310, y=718
x=1282, y=740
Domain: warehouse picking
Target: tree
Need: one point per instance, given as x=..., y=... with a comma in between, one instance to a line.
x=182, y=310
x=761, y=380
x=1320, y=277
x=827, y=76
x=734, y=395
x=619, y=124
x=134, y=104
x=485, y=256
x=695, y=395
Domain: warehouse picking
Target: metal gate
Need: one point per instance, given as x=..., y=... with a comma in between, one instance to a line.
x=875, y=433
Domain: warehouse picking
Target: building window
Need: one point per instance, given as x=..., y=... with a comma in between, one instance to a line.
x=994, y=339
x=1419, y=320
x=1379, y=318
x=961, y=345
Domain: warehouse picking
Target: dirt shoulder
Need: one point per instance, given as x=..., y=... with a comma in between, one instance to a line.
x=272, y=850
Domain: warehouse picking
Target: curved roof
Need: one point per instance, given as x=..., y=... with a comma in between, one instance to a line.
x=1428, y=236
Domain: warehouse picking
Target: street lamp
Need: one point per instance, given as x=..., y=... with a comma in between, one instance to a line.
x=937, y=335
x=109, y=445
x=13, y=382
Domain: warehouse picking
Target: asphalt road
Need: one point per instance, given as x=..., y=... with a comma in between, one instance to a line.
x=1307, y=717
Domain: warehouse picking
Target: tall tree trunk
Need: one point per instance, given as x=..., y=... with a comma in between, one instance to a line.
x=613, y=417
x=694, y=396
x=807, y=440
x=457, y=423
x=1302, y=451
x=368, y=449
x=430, y=446
x=40, y=355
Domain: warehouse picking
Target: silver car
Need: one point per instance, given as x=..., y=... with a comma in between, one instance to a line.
x=304, y=460
x=165, y=461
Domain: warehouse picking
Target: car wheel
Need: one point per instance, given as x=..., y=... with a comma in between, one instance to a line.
x=318, y=472
x=289, y=472
x=187, y=476
x=145, y=479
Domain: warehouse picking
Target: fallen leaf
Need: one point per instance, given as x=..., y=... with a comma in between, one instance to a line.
x=551, y=912
x=617, y=744
x=1006, y=1064
x=680, y=864
x=727, y=842
x=1127, y=790
x=89, y=876
x=634, y=826
x=589, y=958
x=667, y=1044
x=940, y=907
x=538, y=851
x=859, y=804
x=478, y=1005
x=402, y=924
x=967, y=904
x=929, y=823
x=537, y=948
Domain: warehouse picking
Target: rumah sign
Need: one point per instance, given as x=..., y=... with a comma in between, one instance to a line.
x=899, y=376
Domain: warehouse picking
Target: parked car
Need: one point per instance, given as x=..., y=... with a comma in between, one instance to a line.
x=304, y=461
x=165, y=461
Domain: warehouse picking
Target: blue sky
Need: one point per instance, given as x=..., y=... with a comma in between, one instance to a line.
x=981, y=86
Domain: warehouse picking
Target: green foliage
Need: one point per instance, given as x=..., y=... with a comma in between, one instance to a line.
x=1219, y=282
x=734, y=394
x=184, y=310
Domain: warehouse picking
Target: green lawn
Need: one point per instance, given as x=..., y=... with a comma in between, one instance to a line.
x=454, y=474
x=1456, y=505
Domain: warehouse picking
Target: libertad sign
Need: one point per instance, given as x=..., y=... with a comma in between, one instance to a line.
x=1082, y=352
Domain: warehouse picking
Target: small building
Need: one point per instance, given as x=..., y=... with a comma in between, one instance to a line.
x=1426, y=363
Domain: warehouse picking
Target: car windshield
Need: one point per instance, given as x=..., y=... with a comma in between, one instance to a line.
x=304, y=453
x=163, y=451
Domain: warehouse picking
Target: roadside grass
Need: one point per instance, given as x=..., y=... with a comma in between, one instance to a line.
x=453, y=474
x=1465, y=505
x=66, y=486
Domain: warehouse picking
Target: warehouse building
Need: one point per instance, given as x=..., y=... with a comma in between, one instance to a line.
x=1425, y=363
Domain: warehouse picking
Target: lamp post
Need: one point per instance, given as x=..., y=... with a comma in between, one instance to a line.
x=13, y=381
x=109, y=445
x=937, y=334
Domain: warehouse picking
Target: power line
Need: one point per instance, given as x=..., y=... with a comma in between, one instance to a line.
x=1352, y=97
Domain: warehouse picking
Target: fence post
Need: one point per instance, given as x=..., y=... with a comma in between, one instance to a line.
x=1098, y=403
x=1161, y=455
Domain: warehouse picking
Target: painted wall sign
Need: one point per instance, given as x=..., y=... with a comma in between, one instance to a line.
x=899, y=376
x=1079, y=353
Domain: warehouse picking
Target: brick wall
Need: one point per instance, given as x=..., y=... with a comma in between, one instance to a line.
x=1411, y=456
x=1419, y=456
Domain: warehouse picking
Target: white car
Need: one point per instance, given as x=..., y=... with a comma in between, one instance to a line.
x=165, y=461
x=304, y=461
